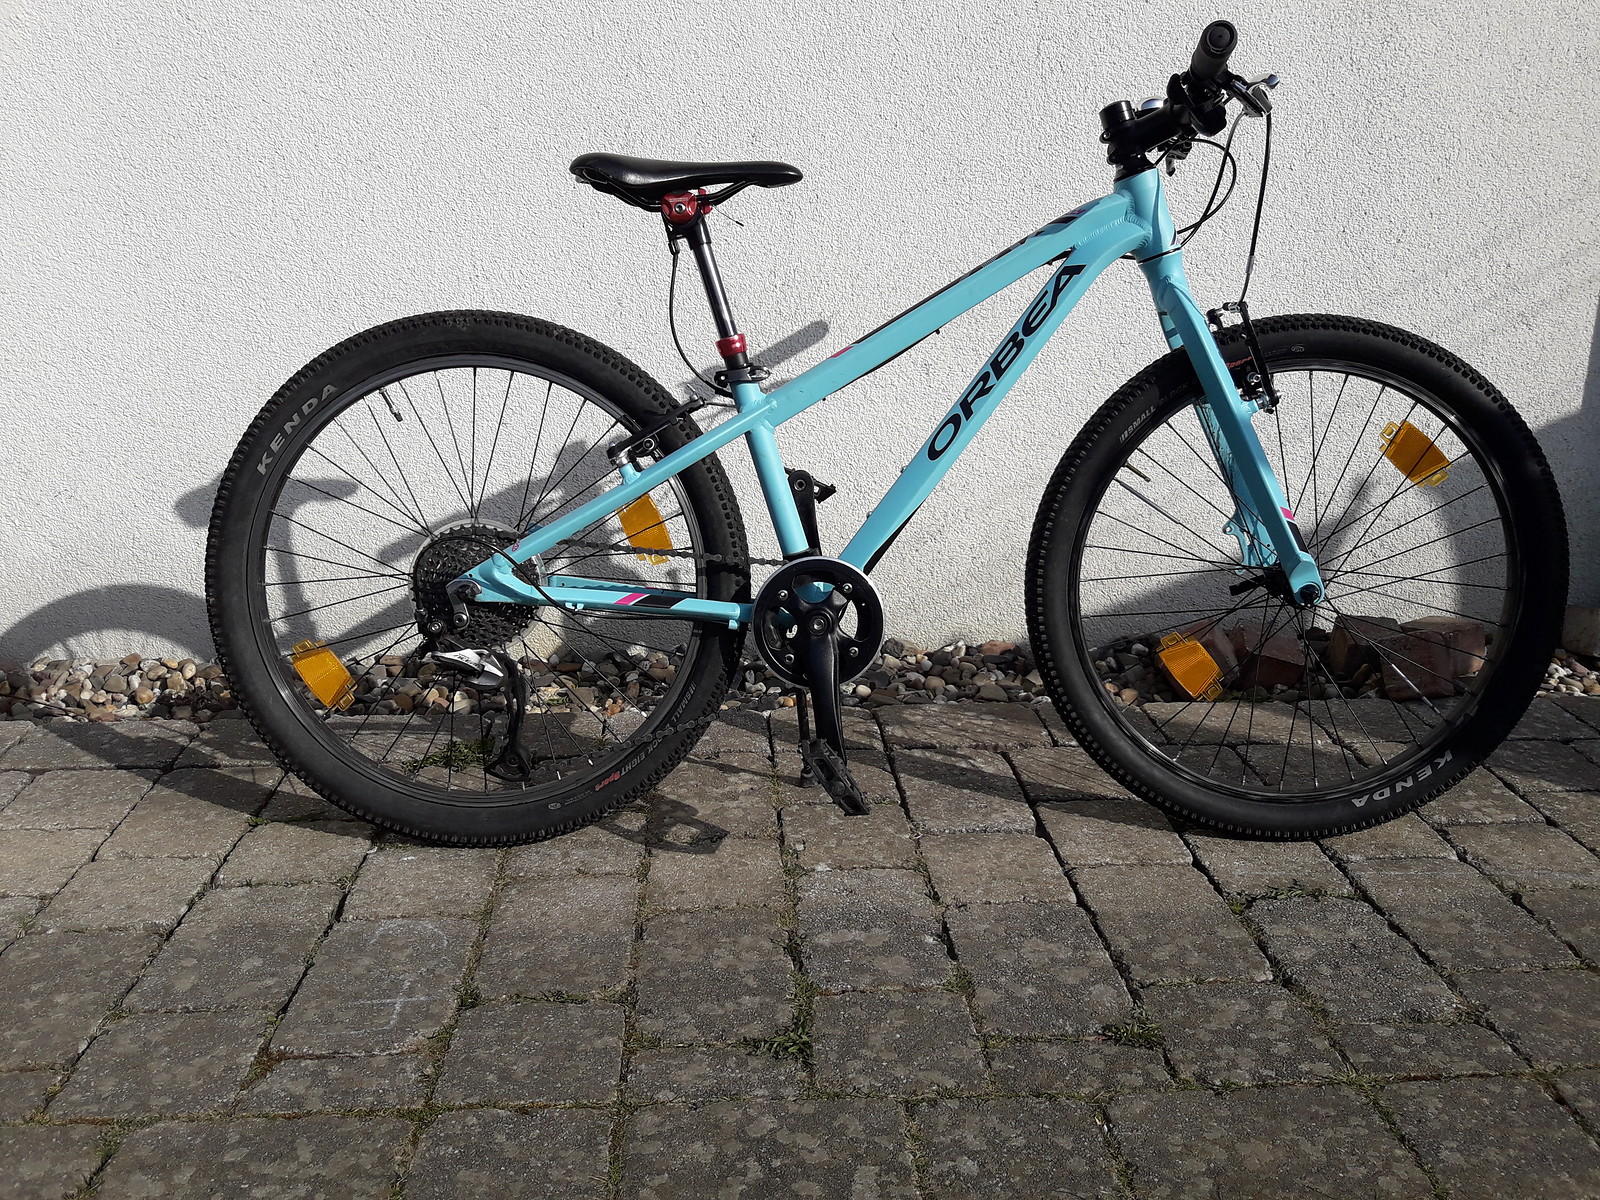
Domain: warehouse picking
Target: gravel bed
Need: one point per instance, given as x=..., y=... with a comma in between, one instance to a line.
x=996, y=671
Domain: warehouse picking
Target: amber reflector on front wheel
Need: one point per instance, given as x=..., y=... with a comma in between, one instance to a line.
x=1414, y=453
x=324, y=673
x=642, y=522
x=1191, y=666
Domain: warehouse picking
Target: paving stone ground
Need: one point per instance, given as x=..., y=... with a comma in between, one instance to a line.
x=1010, y=979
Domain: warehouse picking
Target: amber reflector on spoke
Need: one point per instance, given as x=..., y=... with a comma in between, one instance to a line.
x=642, y=522
x=1414, y=454
x=324, y=673
x=1191, y=666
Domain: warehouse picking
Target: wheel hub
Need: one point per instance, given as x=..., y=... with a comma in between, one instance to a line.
x=450, y=553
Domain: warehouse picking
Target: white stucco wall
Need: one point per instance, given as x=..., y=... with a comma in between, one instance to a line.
x=198, y=198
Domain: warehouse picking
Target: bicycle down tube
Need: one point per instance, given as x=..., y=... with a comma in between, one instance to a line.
x=1133, y=220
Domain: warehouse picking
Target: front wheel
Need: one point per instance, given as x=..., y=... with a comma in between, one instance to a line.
x=1196, y=681
x=383, y=470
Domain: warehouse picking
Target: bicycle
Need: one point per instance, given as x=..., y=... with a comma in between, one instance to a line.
x=539, y=635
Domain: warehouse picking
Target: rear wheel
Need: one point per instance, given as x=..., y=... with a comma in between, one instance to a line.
x=1193, y=679
x=395, y=462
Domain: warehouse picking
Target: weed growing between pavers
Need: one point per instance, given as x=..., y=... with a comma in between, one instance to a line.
x=1138, y=1031
x=793, y=1041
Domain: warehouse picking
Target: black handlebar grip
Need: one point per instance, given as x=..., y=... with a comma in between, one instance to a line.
x=1211, y=55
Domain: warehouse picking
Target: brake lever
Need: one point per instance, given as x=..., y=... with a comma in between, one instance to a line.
x=1252, y=93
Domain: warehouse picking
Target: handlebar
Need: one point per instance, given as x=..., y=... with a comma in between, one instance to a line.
x=1195, y=104
x=1210, y=60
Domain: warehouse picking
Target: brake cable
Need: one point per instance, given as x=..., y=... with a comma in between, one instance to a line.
x=1261, y=195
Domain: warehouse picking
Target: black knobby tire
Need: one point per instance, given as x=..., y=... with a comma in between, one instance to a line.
x=236, y=551
x=1516, y=483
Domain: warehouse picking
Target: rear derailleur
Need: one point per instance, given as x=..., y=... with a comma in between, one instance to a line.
x=818, y=624
x=489, y=670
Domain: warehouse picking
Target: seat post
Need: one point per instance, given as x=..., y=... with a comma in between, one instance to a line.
x=694, y=230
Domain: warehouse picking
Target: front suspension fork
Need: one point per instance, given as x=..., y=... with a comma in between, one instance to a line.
x=1262, y=522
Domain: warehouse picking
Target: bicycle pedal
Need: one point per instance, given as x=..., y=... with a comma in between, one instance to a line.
x=825, y=767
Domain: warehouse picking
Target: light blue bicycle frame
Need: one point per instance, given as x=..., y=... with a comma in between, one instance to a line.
x=1133, y=220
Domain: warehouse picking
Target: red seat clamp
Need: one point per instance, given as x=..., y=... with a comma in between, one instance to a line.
x=729, y=346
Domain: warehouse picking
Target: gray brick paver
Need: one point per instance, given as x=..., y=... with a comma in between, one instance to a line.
x=1485, y=1139
x=375, y=1081
x=377, y=987
x=1038, y=969
x=735, y=872
x=50, y=1162
x=1575, y=813
x=1541, y=767
x=1064, y=774
x=1456, y=916
x=56, y=987
x=1551, y=1016
x=967, y=791
x=562, y=933
x=747, y=1149
x=12, y=782
x=1528, y=856
x=1581, y=1089
x=1097, y=833
x=1404, y=837
x=192, y=813
x=713, y=976
x=316, y=852
x=127, y=893
x=870, y=929
x=598, y=849
x=1241, y=1033
x=962, y=726
x=533, y=1052
x=670, y=1073
x=706, y=800
x=1344, y=954
x=1247, y=868
x=904, y=1043
x=990, y=868
x=1299, y=1141
x=1168, y=924
x=823, y=836
x=1479, y=799
x=76, y=800
x=1090, y=1067
x=64, y=745
x=22, y=1093
x=162, y=1064
x=238, y=948
x=353, y=1158
x=980, y=1149
x=1426, y=1048
x=38, y=862
x=494, y=1155
x=1573, y=913
x=406, y=880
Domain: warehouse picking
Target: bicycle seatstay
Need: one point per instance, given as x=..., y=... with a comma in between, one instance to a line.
x=1132, y=220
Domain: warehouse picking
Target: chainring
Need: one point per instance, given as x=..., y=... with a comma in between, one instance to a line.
x=803, y=587
x=449, y=554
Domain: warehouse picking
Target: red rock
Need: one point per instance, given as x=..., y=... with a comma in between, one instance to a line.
x=1350, y=643
x=1281, y=659
x=1415, y=665
x=1466, y=639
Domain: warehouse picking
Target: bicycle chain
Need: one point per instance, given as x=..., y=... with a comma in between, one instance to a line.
x=670, y=731
x=705, y=557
